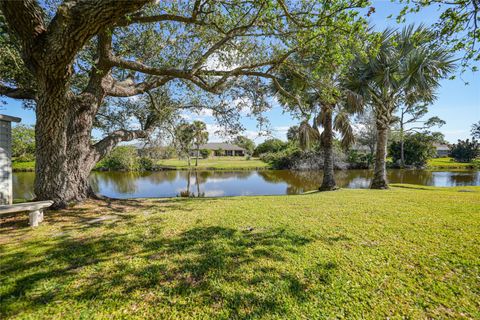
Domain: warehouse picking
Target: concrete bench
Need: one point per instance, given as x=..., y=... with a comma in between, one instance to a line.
x=35, y=210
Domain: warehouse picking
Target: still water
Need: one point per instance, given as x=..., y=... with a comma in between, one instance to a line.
x=222, y=183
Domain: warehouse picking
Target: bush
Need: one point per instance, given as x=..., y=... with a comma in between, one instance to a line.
x=23, y=142
x=296, y=159
x=284, y=159
x=25, y=158
x=270, y=146
x=146, y=164
x=465, y=150
x=418, y=148
x=358, y=160
x=123, y=158
x=205, y=153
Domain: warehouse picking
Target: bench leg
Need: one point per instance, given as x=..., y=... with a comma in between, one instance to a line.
x=34, y=217
x=40, y=219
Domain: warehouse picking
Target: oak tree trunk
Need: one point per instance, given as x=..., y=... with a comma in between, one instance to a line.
x=64, y=157
x=380, y=170
x=328, y=182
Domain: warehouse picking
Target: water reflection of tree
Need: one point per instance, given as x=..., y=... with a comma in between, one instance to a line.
x=22, y=183
x=119, y=182
x=469, y=178
x=159, y=177
x=187, y=193
x=297, y=181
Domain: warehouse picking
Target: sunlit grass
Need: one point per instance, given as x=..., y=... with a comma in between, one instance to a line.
x=23, y=165
x=227, y=163
x=408, y=252
x=449, y=163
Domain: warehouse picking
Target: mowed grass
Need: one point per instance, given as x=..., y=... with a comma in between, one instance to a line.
x=216, y=163
x=408, y=252
x=449, y=163
x=23, y=165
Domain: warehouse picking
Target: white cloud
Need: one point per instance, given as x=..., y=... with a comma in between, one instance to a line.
x=243, y=104
x=280, y=132
x=205, y=113
x=186, y=116
x=222, y=61
x=214, y=132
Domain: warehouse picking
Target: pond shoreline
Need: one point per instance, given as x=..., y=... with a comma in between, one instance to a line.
x=193, y=168
x=221, y=183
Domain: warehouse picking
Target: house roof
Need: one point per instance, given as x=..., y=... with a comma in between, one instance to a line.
x=440, y=146
x=220, y=145
x=4, y=117
x=358, y=147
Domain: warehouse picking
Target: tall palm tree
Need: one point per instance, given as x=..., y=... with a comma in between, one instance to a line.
x=200, y=136
x=405, y=67
x=328, y=110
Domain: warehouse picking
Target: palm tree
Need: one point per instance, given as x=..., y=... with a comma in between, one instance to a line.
x=404, y=69
x=184, y=137
x=328, y=110
x=200, y=136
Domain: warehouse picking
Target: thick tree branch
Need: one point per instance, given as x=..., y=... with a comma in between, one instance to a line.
x=104, y=146
x=75, y=22
x=139, y=18
x=16, y=93
x=128, y=87
x=25, y=20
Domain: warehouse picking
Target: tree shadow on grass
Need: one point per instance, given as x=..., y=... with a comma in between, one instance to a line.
x=240, y=273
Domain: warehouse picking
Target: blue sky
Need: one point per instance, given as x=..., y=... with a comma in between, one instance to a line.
x=458, y=104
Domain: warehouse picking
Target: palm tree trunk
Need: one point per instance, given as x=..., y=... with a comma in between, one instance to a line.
x=402, y=144
x=328, y=182
x=380, y=169
x=198, y=152
x=402, y=152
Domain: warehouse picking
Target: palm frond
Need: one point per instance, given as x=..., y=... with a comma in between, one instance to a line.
x=307, y=135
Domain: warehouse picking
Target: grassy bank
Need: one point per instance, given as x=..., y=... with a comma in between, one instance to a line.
x=449, y=163
x=23, y=166
x=217, y=163
x=223, y=163
x=409, y=252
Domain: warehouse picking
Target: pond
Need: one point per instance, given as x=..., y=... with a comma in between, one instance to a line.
x=236, y=183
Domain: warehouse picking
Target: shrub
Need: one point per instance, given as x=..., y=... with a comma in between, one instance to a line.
x=418, y=148
x=294, y=158
x=281, y=160
x=270, y=146
x=121, y=158
x=465, y=150
x=358, y=160
x=23, y=142
x=28, y=157
x=205, y=153
x=146, y=164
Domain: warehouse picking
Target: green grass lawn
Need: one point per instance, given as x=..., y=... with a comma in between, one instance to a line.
x=449, y=163
x=23, y=165
x=217, y=163
x=409, y=252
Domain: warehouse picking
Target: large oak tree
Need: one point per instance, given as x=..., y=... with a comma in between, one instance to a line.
x=71, y=58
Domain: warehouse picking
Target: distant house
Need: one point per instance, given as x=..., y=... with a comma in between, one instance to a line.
x=361, y=149
x=442, y=149
x=224, y=149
